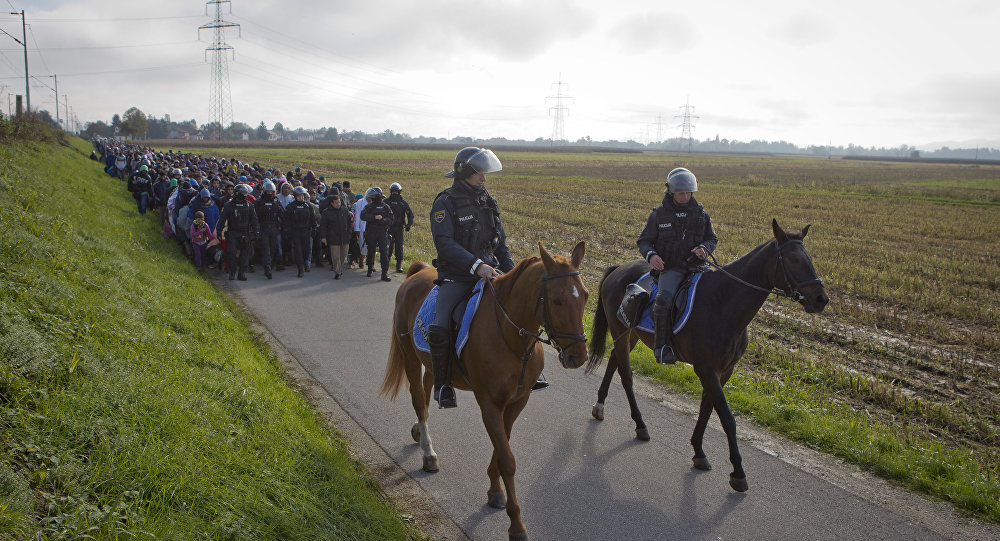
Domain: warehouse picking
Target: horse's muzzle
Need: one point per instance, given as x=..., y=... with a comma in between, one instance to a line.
x=574, y=356
x=815, y=301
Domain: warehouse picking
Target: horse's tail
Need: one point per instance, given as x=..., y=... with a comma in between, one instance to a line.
x=395, y=368
x=599, y=332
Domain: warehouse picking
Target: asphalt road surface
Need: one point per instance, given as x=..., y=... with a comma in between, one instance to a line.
x=579, y=478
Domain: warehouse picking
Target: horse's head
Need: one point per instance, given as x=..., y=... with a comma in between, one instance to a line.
x=563, y=299
x=794, y=273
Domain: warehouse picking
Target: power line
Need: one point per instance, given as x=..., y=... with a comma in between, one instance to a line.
x=115, y=20
x=126, y=70
x=74, y=48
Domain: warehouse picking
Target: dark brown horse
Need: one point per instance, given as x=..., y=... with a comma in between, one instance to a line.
x=502, y=358
x=715, y=335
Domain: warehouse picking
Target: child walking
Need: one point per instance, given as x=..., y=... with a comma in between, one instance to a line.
x=200, y=235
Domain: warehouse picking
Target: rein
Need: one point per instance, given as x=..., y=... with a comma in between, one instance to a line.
x=793, y=288
x=551, y=337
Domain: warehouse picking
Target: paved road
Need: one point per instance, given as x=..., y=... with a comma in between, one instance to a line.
x=578, y=478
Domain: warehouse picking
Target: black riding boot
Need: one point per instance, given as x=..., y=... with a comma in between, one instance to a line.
x=443, y=392
x=663, y=351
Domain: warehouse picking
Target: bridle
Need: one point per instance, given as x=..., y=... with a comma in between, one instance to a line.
x=551, y=336
x=793, y=288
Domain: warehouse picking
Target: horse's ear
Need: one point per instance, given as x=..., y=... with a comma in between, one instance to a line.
x=779, y=233
x=577, y=256
x=546, y=258
x=805, y=230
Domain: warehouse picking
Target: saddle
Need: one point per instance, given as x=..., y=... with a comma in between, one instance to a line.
x=635, y=310
x=461, y=319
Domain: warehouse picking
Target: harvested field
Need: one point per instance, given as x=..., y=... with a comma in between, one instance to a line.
x=908, y=252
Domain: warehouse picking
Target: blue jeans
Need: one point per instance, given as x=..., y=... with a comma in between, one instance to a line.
x=142, y=201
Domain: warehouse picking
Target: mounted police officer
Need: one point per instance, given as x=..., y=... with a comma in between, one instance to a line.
x=378, y=218
x=241, y=218
x=300, y=222
x=471, y=244
x=403, y=219
x=269, y=213
x=678, y=235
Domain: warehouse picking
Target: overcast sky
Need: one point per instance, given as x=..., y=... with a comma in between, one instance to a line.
x=872, y=73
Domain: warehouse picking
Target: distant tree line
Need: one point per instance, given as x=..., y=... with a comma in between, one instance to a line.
x=134, y=124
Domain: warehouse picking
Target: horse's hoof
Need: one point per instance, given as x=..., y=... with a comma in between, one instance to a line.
x=523, y=536
x=702, y=464
x=642, y=434
x=415, y=432
x=598, y=411
x=431, y=464
x=739, y=485
x=496, y=500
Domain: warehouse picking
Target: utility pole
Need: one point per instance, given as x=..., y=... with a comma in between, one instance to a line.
x=55, y=80
x=24, y=43
x=686, y=125
x=558, y=133
x=66, y=105
x=659, y=127
x=220, y=101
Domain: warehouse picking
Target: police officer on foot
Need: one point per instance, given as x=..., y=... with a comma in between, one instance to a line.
x=678, y=235
x=269, y=214
x=300, y=221
x=403, y=219
x=471, y=244
x=241, y=218
x=378, y=218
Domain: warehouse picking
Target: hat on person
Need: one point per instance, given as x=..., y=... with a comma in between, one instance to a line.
x=193, y=183
x=173, y=183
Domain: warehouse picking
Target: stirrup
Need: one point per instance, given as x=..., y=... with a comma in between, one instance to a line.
x=541, y=383
x=446, y=397
x=666, y=355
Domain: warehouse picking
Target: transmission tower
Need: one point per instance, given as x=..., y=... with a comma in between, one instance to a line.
x=659, y=128
x=557, y=112
x=686, y=125
x=220, y=101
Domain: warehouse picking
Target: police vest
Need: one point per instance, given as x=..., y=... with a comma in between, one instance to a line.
x=477, y=221
x=677, y=231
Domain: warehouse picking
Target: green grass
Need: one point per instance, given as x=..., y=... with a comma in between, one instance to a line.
x=134, y=401
x=800, y=405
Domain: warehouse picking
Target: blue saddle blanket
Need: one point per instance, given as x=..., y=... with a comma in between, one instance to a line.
x=684, y=305
x=425, y=318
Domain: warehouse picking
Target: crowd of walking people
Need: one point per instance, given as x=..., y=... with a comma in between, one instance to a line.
x=235, y=217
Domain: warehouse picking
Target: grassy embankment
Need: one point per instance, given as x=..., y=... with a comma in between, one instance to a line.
x=899, y=375
x=134, y=402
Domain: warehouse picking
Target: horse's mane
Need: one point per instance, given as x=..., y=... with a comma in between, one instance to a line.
x=505, y=283
x=739, y=263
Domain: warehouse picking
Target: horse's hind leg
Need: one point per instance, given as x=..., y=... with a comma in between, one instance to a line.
x=602, y=392
x=625, y=373
x=420, y=397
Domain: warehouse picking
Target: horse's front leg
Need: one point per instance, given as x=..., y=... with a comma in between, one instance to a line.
x=704, y=414
x=712, y=385
x=502, y=466
x=421, y=382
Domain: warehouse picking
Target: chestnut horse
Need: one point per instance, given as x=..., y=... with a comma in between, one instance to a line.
x=502, y=358
x=715, y=335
